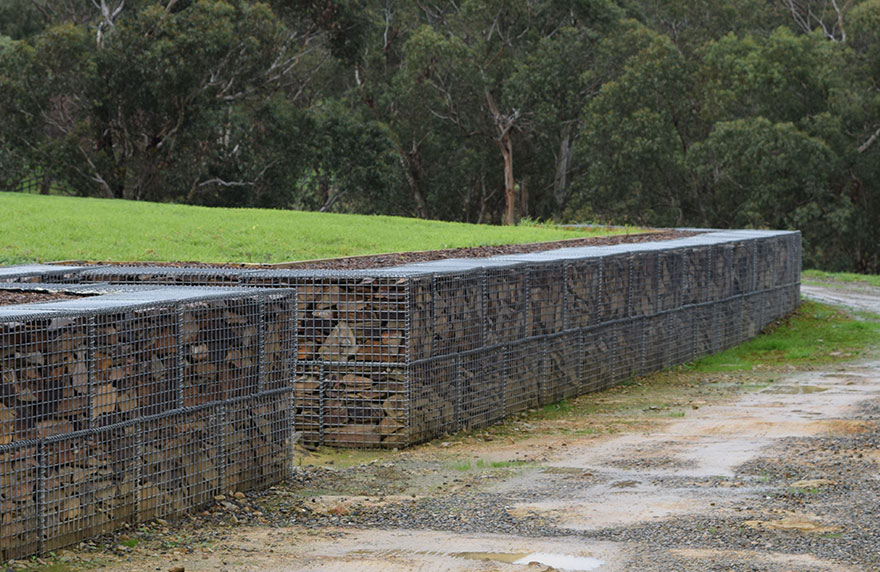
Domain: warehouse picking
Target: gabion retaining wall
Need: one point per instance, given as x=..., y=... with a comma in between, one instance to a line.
x=396, y=356
x=137, y=405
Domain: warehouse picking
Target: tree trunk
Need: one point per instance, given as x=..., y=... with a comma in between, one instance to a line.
x=524, y=197
x=563, y=164
x=412, y=170
x=506, y=146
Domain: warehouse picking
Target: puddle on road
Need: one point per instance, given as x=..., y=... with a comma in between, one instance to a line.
x=797, y=389
x=564, y=562
x=561, y=562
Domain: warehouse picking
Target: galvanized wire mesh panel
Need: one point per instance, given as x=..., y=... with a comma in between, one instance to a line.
x=182, y=462
x=707, y=329
x=256, y=443
x=364, y=406
x=742, y=272
x=681, y=324
x=421, y=314
x=352, y=319
x=614, y=292
x=45, y=377
x=669, y=269
x=481, y=383
x=753, y=308
x=695, y=284
x=628, y=345
x=90, y=484
x=597, y=367
x=765, y=266
x=434, y=397
x=20, y=530
x=721, y=283
x=562, y=367
x=458, y=312
x=221, y=349
x=546, y=299
x=279, y=340
x=731, y=322
x=134, y=364
x=659, y=339
x=583, y=280
x=308, y=402
x=791, y=298
x=644, y=285
x=524, y=375
x=505, y=305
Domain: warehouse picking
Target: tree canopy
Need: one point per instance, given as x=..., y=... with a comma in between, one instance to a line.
x=742, y=113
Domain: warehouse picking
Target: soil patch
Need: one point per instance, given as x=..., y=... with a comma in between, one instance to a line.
x=11, y=297
x=399, y=258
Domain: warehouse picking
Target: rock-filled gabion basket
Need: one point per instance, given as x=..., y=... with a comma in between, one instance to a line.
x=395, y=356
x=138, y=404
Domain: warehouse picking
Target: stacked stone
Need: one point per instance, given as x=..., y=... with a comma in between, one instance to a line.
x=136, y=405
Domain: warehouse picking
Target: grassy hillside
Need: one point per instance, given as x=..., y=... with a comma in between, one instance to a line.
x=36, y=228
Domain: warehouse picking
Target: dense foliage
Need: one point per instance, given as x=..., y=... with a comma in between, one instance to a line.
x=718, y=113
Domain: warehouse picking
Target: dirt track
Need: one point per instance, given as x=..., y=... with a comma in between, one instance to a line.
x=742, y=472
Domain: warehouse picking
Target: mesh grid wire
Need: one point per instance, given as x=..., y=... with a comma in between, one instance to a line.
x=597, y=367
x=562, y=367
x=256, y=441
x=614, y=290
x=279, y=340
x=644, y=275
x=731, y=317
x=433, y=397
x=36, y=273
x=583, y=279
x=524, y=375
x=505, y=305
x=92, y=429
x=364, y=406
x=352, y=319
x=708, y=333
x=134, y=365
x=669, y=268
x=682, y=327
x=182, y=462
x=458, y=312
x=421, y=323
x=695, y=274
x=90, y=484
x=720, y=283
x=546, y=298
x=44, y=365
x=308, y=401
x=19, y=508
x=481, y=385
x=742, y=272
x=221, y=349
x=659, y=339
x=753, y=307
x=628, y=346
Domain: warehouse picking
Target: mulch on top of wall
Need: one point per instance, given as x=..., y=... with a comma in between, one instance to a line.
x=371, y=261
x=10, y=297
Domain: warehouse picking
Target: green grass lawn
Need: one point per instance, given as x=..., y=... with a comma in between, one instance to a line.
x=37, y=228
x=820, y=277
x=814, y=334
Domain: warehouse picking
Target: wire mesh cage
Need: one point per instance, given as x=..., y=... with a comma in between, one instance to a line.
x=696, y=272
x=628, y=346
x=598, y=362
x=524, y=375
x=583, y=280
x=659, y=339
x=481, y=388
x=505, y=305
x=546, y=298
x=669, y=281
x=182, y=461
x=614, y=291
x=20, y=514
x=644, y=276
x=434, y=396
x=256, y=440
x=682, y=328
x=562, y=367
x=458, y=312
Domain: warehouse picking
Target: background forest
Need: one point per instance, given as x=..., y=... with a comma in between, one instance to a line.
x=713, y=113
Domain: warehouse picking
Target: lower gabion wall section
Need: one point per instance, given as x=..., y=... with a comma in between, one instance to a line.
x=122, y=408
